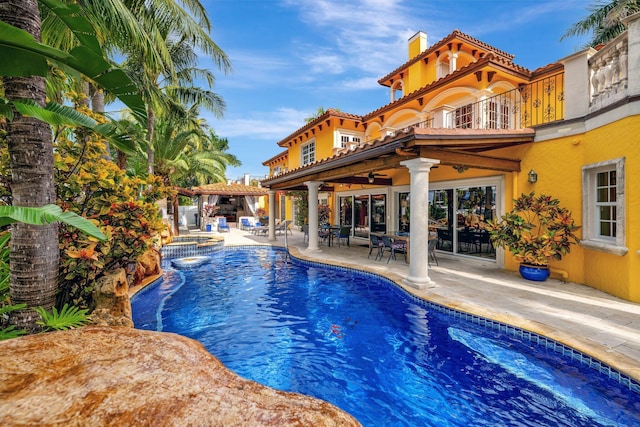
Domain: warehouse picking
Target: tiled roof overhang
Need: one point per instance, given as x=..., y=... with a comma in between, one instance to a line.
x=450, y=146
x=223, y=189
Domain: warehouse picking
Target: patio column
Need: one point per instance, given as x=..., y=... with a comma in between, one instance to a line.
x=313, y=187
x=419, y=218
x=272, y=215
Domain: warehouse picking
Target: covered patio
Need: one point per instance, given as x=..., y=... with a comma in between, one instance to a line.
x=230, y=201
x=415, y=150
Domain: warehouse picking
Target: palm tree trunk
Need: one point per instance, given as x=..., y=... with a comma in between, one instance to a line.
x=34, y=249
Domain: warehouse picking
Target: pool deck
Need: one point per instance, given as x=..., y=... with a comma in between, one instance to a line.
x=598, y=324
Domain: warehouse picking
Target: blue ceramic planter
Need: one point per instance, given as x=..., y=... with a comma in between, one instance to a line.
x=535, y=273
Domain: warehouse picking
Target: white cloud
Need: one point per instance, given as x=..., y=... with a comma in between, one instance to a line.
x=271, y=125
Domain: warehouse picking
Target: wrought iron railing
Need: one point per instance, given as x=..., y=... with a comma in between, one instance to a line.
x=528, y=105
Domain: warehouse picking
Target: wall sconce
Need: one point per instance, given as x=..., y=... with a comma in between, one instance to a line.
x=533, y=176
x=371, y=178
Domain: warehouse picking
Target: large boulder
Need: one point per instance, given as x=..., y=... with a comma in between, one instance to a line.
x=101, y=376
x=111, y=295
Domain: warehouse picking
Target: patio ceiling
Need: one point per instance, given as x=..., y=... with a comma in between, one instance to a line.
x=450, y=146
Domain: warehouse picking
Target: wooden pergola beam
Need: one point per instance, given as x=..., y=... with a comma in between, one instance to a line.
x=473, y=160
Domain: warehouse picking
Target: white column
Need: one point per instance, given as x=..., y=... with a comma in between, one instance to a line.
x=577, y=94
x=419, y=242
x=453, y=59
x=313, y=215
x=272, y=215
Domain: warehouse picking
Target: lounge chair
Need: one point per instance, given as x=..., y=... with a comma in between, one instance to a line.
x=245, y=224
x=222, y=224
x=283, y=227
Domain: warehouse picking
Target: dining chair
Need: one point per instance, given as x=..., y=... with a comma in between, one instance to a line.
x=377, y=243
x=342, y=233
x=432, y=251
x=394, y=246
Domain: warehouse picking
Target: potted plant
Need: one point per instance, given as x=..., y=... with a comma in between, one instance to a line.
x=261, y=214
x=536, y=231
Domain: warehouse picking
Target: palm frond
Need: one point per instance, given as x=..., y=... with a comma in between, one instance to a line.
x=67, y=318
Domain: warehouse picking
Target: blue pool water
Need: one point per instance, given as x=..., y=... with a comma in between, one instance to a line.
x=363, y=344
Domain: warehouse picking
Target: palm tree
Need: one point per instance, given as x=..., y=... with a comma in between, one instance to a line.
x=604, y=21
x=33, y=266
x=34, y=249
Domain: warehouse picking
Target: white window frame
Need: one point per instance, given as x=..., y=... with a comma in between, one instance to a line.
x=308, y=153
x=591, y=238
x=348, y=139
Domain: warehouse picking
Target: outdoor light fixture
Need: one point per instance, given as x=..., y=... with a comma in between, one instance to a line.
x=371, y=178
x=533, y=176
x=460, y=168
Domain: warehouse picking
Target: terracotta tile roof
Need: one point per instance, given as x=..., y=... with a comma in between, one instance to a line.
x=282, y=155
x=454, y=35
x=225, y=189
x=488, y=60
x=357, y=149
x=330, y=113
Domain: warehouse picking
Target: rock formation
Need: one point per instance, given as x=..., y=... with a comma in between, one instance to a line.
x=101, y=376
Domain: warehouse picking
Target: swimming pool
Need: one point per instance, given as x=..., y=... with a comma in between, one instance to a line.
x=363, y=344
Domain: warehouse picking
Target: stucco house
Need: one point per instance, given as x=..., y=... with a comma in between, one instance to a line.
x=466, y=131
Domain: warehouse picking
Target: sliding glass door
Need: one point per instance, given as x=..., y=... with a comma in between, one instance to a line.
x=458, y=211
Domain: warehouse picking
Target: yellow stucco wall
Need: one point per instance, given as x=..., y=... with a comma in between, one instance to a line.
x=618, y=275
x=559, y=163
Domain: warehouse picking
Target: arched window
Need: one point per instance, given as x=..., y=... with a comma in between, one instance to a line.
x=397, y=90
x=442, y=66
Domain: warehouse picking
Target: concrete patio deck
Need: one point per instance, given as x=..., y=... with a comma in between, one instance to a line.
x=595, y=323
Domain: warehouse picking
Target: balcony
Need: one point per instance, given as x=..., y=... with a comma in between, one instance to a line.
x=530, y=105
x=608, y=71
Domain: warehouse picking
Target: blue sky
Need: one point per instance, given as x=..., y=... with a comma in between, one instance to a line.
x=290, y=57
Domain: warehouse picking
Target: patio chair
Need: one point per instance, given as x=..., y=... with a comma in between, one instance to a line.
x=305, y=230
x=283, y=227
x=394, y=246
x=377, y=243
x=432, y=251
x=342, y=233
x=260, y=229
x=245, y=224
x=222, y=224
x=323, y=234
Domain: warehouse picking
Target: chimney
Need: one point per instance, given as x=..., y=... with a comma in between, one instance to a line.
x=417, y=44
x=247, y=181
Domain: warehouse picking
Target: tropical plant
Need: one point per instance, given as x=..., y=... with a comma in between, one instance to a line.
x=67, y=318
x=36, y=216
x=604, y=21
x=536, y=231
x=324, y=212
x=122, y=206
x=301, y=206
x=34, y=256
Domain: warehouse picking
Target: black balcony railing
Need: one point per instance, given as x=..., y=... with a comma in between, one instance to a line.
x=528, y=105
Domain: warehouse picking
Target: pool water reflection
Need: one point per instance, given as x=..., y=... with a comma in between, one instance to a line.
x=363, y=344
